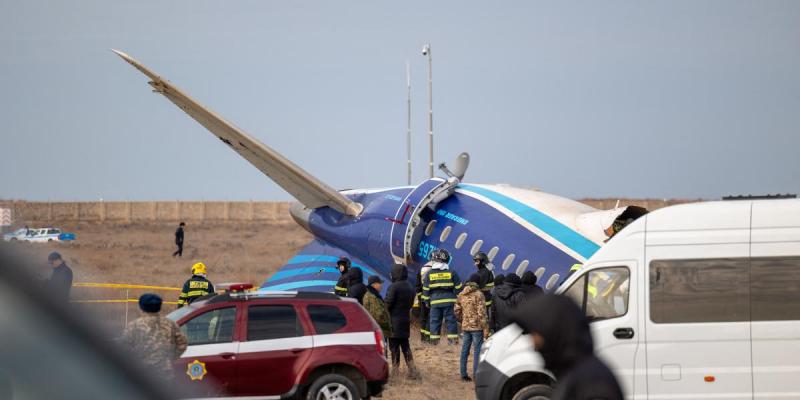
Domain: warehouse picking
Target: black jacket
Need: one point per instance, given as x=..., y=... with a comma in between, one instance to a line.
x=355, y=284
x=568, y=349
x=486, y=283
x=195, y=287
x=341, y=286
x=399, y=300
x=179, y=236
x=529, y=285
x=506, y=299
x=60, y=282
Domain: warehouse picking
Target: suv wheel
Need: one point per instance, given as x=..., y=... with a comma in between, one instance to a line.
x=534, y=392
x=333, y=387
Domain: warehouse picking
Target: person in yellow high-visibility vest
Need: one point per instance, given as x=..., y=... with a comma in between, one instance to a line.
x=195, y=287
x=439, y=288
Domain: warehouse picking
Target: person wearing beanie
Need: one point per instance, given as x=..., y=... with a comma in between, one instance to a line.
x=60, y=282
x=376, y=307
x=560, y=332
x=196, y=286
x=470, y=310
x=507, y=297
x=529, y=284
x=156, y=340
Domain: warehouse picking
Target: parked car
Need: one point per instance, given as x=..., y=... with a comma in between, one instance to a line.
x=39, y=235
x=301, y=345
x=690, y=301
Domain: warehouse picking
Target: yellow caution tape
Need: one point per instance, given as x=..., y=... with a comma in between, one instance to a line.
x=123, y=286
x=116, y=301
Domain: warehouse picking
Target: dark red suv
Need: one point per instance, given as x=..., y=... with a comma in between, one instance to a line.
x=301, y=345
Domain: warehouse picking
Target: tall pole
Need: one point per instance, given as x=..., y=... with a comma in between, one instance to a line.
x=408, y=117
x=427, y=51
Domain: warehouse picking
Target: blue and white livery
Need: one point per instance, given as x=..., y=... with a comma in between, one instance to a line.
x=519, y=229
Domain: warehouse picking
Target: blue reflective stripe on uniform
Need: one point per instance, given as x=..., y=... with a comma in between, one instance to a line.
x=564, y=234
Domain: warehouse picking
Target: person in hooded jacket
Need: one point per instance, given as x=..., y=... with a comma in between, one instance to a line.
x=470, y=310
x=506, y=299
x=399, y=300
x=355, y=284
x=424, y=310
x=341, y=286
x=529, y=285
x=560, y=333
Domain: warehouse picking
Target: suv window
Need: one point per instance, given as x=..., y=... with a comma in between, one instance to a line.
x=700, y=290
x=326, y=319
x=602, y=293
x=272, y=322
x=215, y=326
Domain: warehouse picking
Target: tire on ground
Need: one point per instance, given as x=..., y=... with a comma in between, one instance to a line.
x=331, y=384
x=534, y=392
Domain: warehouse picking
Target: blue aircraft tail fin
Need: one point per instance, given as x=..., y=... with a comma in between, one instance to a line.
x=313, y=269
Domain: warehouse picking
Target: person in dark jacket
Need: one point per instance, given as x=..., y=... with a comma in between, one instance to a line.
x=486, y=277
x=196, y=286
x=60, y=281
x=179, y=240
x=506, y=299
x=341, y=286
x=529, y=284
x=399, y=300
x=560, y=333
x=424, y=310
x=355, y=284
x=498, y=281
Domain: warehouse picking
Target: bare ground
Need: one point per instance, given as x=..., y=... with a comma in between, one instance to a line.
x=140, y=253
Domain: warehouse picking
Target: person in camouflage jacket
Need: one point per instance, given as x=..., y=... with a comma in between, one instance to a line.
x=374, y=304
x=470, y=310
x=156, y=340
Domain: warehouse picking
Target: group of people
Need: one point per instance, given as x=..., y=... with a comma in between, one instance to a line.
x=482, y=304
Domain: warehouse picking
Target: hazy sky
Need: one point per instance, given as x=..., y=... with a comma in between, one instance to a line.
x=637, y=99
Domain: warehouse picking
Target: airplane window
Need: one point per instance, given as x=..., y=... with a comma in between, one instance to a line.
x=552, y=281
x=430, y=227
x=476, y=247
x=539, y=272
x=493, y=253
x=445, y=233
x=507, y=262
x=522, y=266
x=461, y=239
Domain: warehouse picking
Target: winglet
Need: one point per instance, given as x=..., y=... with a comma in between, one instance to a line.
x=306, y=188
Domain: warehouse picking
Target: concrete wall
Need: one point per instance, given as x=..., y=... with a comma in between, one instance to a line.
x=24, y=212
x=165, y=211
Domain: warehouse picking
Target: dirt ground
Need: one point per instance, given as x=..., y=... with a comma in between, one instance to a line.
x=141, y=254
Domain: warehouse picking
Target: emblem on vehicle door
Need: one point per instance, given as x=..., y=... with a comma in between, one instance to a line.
x=196, y=370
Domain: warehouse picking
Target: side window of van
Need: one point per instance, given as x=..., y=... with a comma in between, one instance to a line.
x=701, y=290
x=602, y=293
x=775, y=289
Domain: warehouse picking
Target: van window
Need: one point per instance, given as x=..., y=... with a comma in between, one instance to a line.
x=701, y=290
x=602, y=293
x=775, y=289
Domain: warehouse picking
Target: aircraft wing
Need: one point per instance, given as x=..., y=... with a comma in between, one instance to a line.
x=307, y=189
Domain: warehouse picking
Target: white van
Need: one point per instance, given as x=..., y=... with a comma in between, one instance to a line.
x=691, y=301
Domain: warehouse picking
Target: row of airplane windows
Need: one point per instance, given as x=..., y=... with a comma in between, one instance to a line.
x=476, y=246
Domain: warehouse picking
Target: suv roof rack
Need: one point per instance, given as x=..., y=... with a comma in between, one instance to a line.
x=761, y=196
x=279, y=294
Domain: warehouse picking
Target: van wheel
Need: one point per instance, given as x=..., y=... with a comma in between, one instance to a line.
x=333, y=387
x=534, y=392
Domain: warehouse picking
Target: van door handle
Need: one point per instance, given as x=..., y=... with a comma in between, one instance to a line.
x=228, y=356
x=623, y=333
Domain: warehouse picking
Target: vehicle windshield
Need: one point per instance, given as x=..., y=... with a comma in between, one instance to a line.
x=183, y=311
